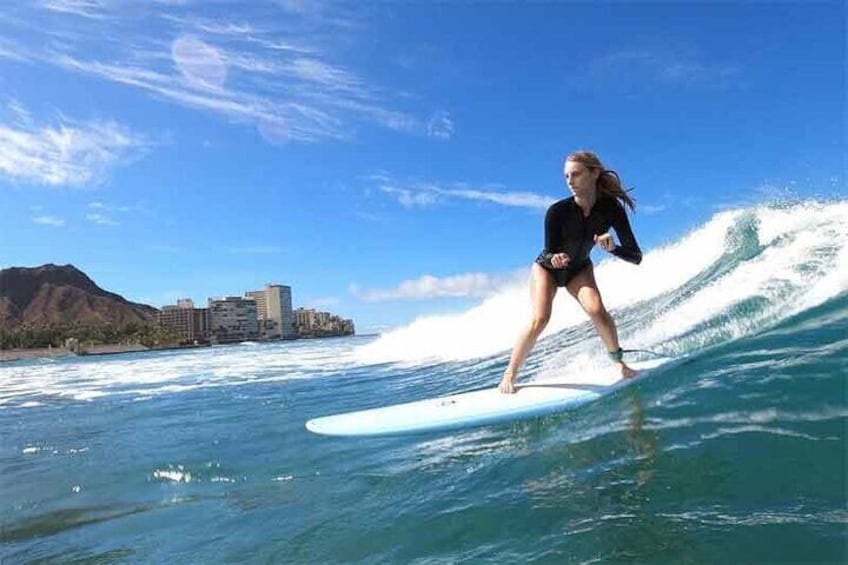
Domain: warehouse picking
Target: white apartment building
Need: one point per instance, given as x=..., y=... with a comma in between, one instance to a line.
x=274, y=311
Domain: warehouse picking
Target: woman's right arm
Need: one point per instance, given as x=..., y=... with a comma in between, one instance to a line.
x=553, y=237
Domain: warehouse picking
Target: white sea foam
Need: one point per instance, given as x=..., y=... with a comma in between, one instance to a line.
x=140, y=376
x=176, y=474
x=757, y=429
x=757, y=417
x=782, y=516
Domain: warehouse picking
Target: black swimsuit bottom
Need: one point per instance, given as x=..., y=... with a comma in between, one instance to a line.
x=562, y=276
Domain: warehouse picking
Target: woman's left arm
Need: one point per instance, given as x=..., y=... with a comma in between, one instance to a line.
x=627, y=249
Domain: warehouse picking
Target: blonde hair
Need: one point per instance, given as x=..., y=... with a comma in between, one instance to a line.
x=609, y=182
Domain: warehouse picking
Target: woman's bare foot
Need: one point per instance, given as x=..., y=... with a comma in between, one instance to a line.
x=626, y=372
x=507, y=385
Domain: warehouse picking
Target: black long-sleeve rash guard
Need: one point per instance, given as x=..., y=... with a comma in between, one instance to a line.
x=568, y=231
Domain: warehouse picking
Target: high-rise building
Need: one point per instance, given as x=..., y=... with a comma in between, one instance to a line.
x=200, y=324
x=190, y=324
x=233, y=319
x=261, y=303
x=274, y=310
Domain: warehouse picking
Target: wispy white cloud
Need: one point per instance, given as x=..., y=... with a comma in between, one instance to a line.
x=11, y=53
x=200, y=86
x=328, y=13
x=227, y=28
x=666, y=67
x=416, y=193
x=101, y=206
x=651, y=209
x=331, y=78
x=251, y=33
x=65, y=153
x=49, y=221
x=277, y=45
x=440, y=126
x=19, y=113
x=85, y=8
x=410, y=198
x=514, y=199
x=273, y=73
x=426, y=287
x=101, y=219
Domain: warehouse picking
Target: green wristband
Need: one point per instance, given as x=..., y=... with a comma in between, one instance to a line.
x=616, y=355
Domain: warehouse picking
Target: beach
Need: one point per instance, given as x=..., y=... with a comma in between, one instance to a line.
x=61, y=352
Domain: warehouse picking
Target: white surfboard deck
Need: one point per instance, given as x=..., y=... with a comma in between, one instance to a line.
x=480, y=407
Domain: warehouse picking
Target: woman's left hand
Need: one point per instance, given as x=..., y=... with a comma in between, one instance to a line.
x=605, y=241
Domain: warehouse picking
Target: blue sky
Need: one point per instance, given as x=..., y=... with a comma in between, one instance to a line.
x=389, y=160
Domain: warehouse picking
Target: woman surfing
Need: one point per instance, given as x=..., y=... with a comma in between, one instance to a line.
x=572, y=227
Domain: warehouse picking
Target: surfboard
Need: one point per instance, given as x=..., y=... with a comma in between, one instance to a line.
x=480, y=407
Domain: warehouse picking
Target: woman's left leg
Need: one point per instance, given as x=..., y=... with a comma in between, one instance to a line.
x=585, y=290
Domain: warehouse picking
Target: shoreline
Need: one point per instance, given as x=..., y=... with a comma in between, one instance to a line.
x=61, y=352
x=34, y=353
x=9, y=355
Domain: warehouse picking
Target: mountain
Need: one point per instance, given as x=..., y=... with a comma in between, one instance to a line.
x=59, y=295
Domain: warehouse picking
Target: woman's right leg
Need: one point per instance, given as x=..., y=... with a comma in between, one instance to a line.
x=542, y=291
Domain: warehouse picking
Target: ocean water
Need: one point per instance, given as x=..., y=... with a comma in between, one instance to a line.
x=733, y=453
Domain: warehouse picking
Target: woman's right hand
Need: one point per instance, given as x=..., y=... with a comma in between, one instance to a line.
x=560, y=260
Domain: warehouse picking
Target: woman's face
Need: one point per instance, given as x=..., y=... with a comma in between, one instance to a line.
x=580, y=178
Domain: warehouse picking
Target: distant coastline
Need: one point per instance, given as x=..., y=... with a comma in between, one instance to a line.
x=53, y=311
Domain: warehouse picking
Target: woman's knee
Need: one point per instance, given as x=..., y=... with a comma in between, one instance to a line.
x=539, y=323
x=595, y=310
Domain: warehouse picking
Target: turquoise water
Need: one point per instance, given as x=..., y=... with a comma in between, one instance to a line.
x=736, y=452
